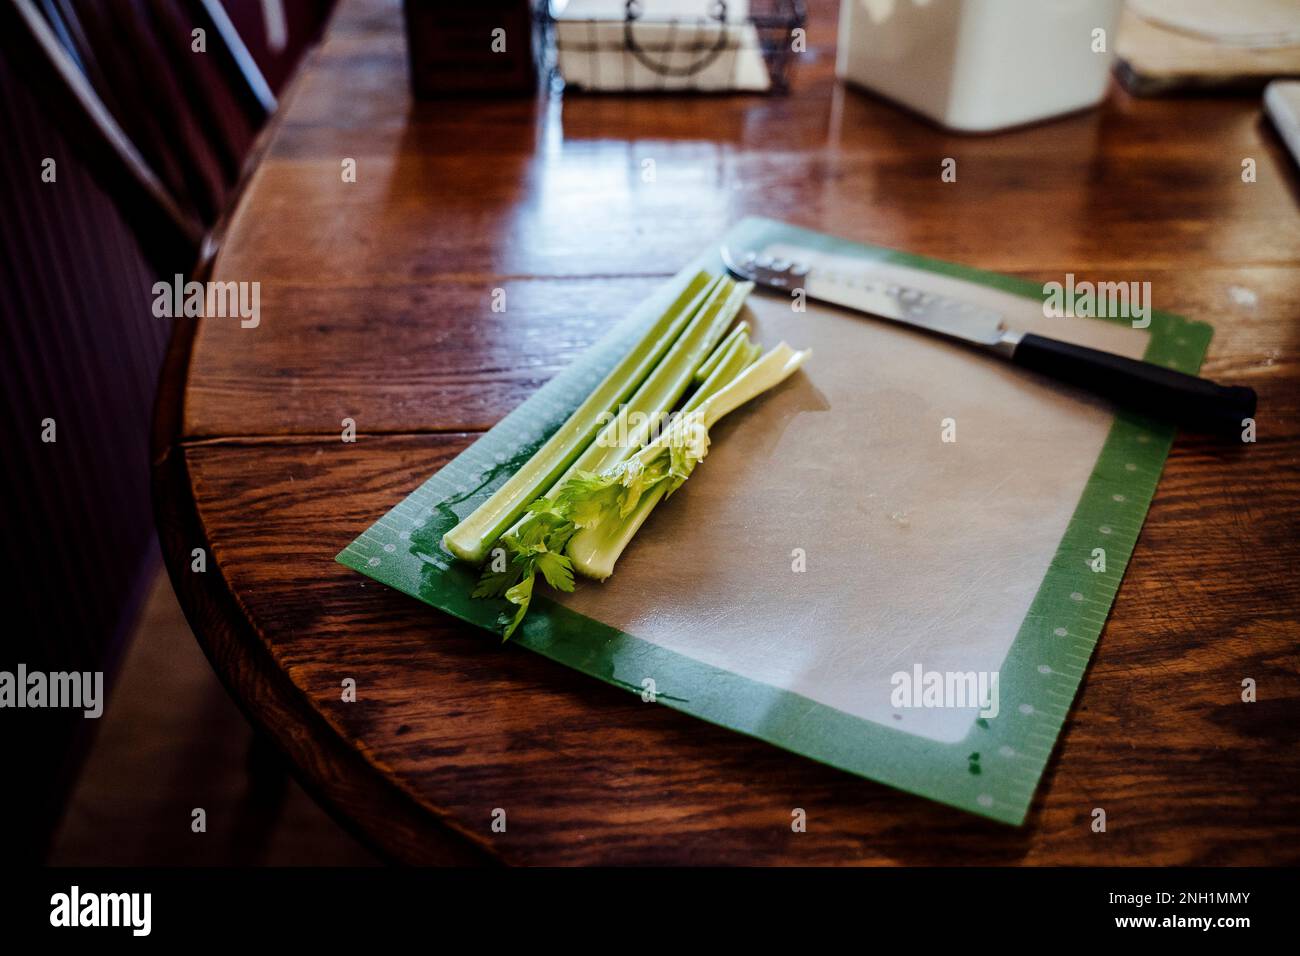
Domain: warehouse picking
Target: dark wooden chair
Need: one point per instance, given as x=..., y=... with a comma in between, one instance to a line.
x=152, y=140
x=161, y=100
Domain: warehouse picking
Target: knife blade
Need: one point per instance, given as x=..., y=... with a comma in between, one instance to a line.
x=1195, y=403
x=860, y=292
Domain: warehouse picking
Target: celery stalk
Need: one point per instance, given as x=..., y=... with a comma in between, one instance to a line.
x=594, y=551
x=587, y=518
x=654, y=400
x=472, y=539
x=768, y=372
x=739, y=355
x=664, y=388
x=710, y=363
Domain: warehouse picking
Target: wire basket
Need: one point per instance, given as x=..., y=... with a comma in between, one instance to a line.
x=658, y=47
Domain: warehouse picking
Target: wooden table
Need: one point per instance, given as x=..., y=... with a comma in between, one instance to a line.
x=376, y=306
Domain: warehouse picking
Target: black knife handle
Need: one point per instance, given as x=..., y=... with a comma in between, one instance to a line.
x=1195, y=403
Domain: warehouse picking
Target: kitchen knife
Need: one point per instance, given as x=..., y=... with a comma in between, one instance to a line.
x=1195, y=403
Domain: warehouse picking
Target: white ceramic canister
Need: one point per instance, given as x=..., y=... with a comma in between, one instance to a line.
x=980, y=65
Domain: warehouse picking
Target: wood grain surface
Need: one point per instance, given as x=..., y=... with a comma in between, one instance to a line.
x=377, y=306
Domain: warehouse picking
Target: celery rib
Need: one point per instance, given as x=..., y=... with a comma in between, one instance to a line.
x=655, y=399
x=710, y=363
x=473, y=537
x=610, y=463
x=660, y=392
x=594, y=551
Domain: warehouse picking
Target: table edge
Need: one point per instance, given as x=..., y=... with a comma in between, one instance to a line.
x=334, y=772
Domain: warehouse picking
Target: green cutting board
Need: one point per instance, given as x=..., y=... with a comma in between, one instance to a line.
x=833, y=539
